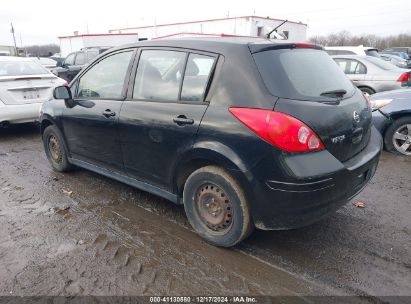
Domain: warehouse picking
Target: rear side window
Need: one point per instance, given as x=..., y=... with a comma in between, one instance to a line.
x=159, y=75
x=105, y=80
x=91, y=55
x=301, y=74
x=196, y=77
x=350, y=66
x=80, y=58
x=70, y=59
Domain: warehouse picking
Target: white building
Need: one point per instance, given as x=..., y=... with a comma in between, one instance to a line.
x=74, y=43
x=246, y=26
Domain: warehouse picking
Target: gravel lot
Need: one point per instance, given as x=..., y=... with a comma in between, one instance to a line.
x=83, y=234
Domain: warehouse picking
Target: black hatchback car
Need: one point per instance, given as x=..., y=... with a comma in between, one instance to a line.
x=244, y=133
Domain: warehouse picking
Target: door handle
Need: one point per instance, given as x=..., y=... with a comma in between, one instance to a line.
x=183, y=120
x=108, y=113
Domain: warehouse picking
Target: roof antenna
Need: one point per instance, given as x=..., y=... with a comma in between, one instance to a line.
x=269, y=34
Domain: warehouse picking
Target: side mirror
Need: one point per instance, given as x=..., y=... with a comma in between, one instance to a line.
x=64, y=92
x=59, y=64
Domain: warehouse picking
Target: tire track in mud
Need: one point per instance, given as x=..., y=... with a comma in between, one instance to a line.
x=97, y=241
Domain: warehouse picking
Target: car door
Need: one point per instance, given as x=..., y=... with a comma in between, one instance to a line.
x=165, y=105
x=91, y=126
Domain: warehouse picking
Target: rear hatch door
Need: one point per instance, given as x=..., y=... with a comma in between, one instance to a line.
x=312, y=88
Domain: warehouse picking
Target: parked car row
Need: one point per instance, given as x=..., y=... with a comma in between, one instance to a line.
x=74, y=62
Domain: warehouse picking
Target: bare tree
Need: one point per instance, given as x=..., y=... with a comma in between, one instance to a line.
x=45, y=50
x=344, y=38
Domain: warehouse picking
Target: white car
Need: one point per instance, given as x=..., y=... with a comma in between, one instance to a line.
x=352, y=50
x=24, y=85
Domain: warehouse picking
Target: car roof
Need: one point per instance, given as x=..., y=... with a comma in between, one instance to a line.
x=358, y=47
x=351, y=56
x=211, y=44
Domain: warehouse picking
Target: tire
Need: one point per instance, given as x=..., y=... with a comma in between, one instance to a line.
x=55, y=148
x=216, y=207
x=398, y=135
x=366, y=90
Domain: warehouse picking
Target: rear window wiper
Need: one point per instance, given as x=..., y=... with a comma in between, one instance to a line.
x=334, y=93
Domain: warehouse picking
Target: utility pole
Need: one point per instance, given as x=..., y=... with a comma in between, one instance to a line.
x=14, y=38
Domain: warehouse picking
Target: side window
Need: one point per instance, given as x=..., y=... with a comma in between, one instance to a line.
x=342, y=64
x=91, y=55
x=356, y=67
x=159, y=75
x=70, y=59
x=196, y=77
x=106, y=78
x=80, y=58
x=351, y=66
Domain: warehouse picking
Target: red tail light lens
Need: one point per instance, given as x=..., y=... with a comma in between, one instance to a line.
x=279, y=129
x=405, y=77
x=305, y=45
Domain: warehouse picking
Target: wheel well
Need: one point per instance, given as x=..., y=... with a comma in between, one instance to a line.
x=186, y=169
x=366, y=87
x=396, y=116
x=189, y=167
x=44, y=124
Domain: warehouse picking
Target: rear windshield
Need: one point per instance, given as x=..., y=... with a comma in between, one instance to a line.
x=381, y=63
x=301, y=74
x=18, y=68
x=372, y=52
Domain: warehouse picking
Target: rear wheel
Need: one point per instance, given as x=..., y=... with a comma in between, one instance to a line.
x=398, y=136
x=216, y=206
x=55, y=149
x=367, y=91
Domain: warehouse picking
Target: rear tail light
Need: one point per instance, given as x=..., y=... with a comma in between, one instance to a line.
x=405, y=77
x=279, y=129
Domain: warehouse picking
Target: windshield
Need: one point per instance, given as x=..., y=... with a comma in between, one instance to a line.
x=19, y=68
x=381, y=63
x=302, y=74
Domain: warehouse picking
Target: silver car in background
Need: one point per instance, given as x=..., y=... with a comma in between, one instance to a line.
x=371, y=74
x=395, y=60
x=24, y=85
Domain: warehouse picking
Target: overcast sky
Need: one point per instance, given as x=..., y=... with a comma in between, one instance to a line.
x=40, y=22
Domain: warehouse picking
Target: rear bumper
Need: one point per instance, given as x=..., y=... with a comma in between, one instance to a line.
x=317, y=184
x=19, y=113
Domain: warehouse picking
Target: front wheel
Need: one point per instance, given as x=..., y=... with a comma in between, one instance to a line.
x=55, y=149
x=398, y=136
x=216, y=206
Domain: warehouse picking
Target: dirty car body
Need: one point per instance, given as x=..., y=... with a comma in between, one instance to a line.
x=154, y=141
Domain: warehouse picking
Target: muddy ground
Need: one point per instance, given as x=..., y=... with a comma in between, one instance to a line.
x=79, y=233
